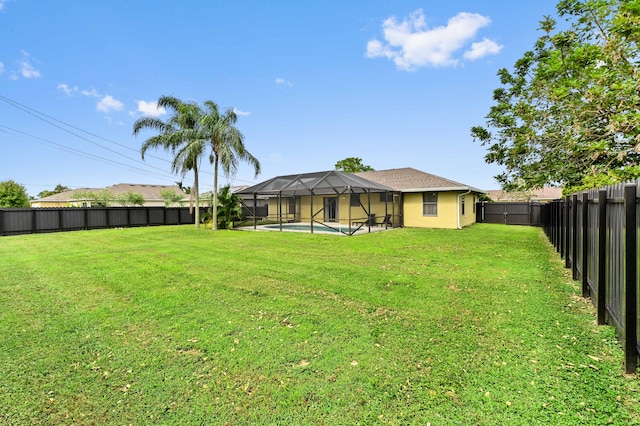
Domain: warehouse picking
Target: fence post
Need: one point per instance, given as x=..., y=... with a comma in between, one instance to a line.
x=574, y=237
x=585, y=244
x=1, y=222
x=631, y=264
x=567, y=232
x=602, y=257
x=554, y=221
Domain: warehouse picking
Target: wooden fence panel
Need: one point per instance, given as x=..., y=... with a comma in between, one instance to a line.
x=73, y=219
x=33, y=220
x=46, y=220
x=615, y=248
x=507, y=213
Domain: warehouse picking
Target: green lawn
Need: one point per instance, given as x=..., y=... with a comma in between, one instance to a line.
x=172, y=325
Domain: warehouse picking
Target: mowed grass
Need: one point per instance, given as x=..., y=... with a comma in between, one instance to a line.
x=172, y=325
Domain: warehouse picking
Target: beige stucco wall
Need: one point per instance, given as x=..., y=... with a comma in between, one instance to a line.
x=447, y=211
x=45, y=204
x=447, y=217
x=345, y=213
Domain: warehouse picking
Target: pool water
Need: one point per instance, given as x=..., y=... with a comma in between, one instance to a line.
x=303, y=227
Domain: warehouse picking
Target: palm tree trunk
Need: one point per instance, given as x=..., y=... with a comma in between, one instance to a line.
x=197, y=194
x=214, y=225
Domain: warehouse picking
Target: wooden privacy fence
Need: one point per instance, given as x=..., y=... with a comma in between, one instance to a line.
x=596, y=233
x=512, y=213
x=30, y=221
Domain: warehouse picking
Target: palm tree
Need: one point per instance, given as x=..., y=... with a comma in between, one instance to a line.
x=227, y=146
x=178, y=135
x=229, y=208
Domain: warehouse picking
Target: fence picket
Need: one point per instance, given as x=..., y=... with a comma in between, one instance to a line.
x=596, y=233
x=39, y=220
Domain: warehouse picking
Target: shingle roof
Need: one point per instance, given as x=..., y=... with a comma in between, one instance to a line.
x=411, y=180
x=543, y=194
x=148, y=192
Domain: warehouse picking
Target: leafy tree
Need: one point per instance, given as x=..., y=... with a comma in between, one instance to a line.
x=229, y=208
x=227, y=145
x=57, y=190
x=352, y=165
x=12, y=194
x=568, y=113
x=185, y=189
x=97, y=199
x=180, y=136
x=170, y=197
x=130, y=198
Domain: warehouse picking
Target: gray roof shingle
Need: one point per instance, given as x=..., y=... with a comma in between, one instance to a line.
x=408, y=179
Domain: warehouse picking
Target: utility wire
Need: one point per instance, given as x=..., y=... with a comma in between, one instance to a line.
x=164, y=174
x=39, y=115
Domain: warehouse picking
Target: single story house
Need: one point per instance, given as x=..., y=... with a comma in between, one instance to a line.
x=541, y=195
x=84, y=197
x=390, y=198
x=429, y=201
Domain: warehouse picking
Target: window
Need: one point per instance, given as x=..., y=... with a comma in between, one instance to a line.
x=385, y=196
x=355, y=200
x=430, y=204
x=462, y=205
x=292, y=205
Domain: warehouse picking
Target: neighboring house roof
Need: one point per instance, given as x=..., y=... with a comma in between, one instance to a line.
x=328, y=182
x=67, y=195
x=546, y=193
x=148, y=192
x=411, y=180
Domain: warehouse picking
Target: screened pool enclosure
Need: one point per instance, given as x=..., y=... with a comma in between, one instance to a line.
x=343, y=202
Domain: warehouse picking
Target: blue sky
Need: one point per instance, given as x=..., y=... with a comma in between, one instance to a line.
x=396, y=83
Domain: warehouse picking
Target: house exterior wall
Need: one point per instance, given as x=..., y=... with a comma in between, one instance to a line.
x=345, y=212
x=287, y=213
x=449, y=205
x=45, y=204
x=448, y=208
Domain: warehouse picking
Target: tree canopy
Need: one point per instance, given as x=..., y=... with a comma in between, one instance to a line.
x=568, y=113
x=12, y=194
x=57, y=190
x=192, y=131
x=180, y=136
x=226, y=143
x=352, y=165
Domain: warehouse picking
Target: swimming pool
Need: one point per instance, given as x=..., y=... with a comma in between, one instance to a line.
x=305, y=227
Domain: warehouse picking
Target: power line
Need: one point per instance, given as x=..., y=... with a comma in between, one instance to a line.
x=164, y=174
x=39, y=115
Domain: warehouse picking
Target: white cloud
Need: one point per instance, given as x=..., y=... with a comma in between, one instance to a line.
x=108, y=104
x=2, y=2
x=242, y=113
x=483, y=48
x=411, y=44
x=91, y=92
x=26, y=69
x=282, y=82
x=150, y=108
x=66, y=89
x=1, y=67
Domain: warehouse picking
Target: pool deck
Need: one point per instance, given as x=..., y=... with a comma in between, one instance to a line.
x=317, y=228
